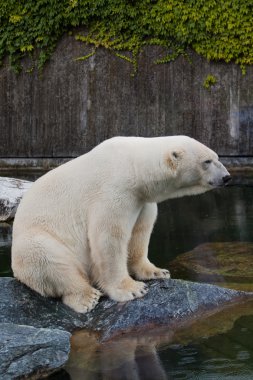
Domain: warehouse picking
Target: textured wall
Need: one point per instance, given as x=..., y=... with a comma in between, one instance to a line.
x=75, y=105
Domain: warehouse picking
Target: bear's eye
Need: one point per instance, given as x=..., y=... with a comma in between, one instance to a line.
x=208, y=162
x=175, y=155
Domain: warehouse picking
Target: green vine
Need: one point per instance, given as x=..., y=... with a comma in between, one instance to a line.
x=218, y=30
x=209, y=81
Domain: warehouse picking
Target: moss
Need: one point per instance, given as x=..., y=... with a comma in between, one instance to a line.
x=217, y=30
x=209, y=81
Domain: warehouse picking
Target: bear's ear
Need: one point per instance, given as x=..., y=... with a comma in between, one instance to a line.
x=172, y=159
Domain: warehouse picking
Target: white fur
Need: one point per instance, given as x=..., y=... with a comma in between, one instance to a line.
x=89, y=221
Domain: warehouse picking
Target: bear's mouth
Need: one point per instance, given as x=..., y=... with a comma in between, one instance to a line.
x=221, y=184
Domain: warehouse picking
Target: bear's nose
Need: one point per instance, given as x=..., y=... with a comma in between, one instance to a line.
x=226, y=179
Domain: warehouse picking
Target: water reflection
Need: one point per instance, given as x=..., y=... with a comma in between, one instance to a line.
x=130, y=358
x=223, y=356
x=221, y=215
x=162, y=354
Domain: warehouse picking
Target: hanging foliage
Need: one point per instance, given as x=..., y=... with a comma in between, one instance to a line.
x=218, y=30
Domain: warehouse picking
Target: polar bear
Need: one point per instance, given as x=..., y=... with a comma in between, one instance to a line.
x=86, y=225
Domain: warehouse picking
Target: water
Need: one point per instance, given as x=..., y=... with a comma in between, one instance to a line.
x=5, y=249
x=221, y=347
x=218, y=216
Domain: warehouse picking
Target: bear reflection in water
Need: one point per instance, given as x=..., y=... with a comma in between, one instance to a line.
x=163, y=353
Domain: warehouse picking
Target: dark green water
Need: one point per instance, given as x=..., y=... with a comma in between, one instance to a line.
x=5, y=249
x=219, y=216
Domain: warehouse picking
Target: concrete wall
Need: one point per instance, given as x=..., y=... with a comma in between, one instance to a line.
x=73, y=105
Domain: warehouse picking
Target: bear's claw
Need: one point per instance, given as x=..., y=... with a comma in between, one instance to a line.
x=82, y=303
x=149, y=271
x=128, y=290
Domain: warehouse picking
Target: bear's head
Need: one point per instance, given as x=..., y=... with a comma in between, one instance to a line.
x=195, y=168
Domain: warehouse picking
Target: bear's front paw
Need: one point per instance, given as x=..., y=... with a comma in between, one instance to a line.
x=82, y=302
x=127, y=290
x=148, y=271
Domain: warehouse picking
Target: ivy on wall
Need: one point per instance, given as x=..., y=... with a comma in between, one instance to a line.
x=209, y=81
x=218, y=30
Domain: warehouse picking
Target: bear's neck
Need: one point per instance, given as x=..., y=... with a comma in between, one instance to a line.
x=154, y=181
x=159, y=191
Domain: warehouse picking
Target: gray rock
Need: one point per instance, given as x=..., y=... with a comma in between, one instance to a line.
x=168, y=302
x=27, y=351
x=11, y=192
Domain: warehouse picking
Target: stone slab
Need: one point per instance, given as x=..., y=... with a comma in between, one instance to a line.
x=168, y=302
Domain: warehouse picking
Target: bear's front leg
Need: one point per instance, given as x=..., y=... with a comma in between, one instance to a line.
x=108, y=244
x=139, y=264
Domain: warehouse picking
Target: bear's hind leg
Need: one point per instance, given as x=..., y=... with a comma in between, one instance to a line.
x=77, y=293
x=45, y=264
x=139, y=265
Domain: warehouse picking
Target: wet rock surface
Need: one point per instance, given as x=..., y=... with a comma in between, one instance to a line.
x=226, y=263
x=168, y=302
x=11, y=192
x=27, y=351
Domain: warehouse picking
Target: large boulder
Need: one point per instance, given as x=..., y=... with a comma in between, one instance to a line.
x=27, y=351
x=168, y=303
x=11, y=192
x=169, y=306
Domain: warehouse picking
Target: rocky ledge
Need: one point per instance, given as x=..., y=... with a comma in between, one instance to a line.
x=34, y=338
x=168, y=302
